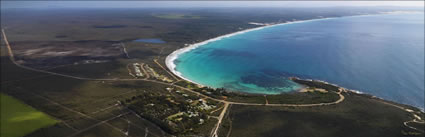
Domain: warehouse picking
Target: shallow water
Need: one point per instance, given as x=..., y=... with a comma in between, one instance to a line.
x=381, y=54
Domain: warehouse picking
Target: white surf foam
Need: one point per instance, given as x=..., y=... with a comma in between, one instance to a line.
x=169, y=61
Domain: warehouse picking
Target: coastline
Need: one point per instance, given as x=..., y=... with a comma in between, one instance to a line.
x=169, y=61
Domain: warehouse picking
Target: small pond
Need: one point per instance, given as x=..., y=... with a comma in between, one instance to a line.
x=158, y=41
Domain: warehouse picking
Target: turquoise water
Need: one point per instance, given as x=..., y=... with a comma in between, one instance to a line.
x=382, y=55
x=159, y=41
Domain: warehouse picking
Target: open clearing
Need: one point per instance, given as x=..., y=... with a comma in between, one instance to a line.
x=18, y=119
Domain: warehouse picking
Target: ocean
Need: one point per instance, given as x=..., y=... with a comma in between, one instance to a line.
x=382, y=55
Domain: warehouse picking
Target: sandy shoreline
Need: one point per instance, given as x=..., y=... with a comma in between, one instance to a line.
x=169, y=61
x=174, y=55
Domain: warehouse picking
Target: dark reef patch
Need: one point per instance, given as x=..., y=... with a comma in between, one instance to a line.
x=269, y=78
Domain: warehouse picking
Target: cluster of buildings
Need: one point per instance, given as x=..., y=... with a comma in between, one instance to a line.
x=154, y=74
x=197, y=105
x=137, y=69
x=203, y=105
x=142, y=70
x=151, y=71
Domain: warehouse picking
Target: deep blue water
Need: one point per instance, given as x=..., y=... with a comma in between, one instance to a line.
x=382, y=55
x=159, y=41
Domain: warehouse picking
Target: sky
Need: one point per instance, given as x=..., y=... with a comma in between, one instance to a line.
x=141, y=4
